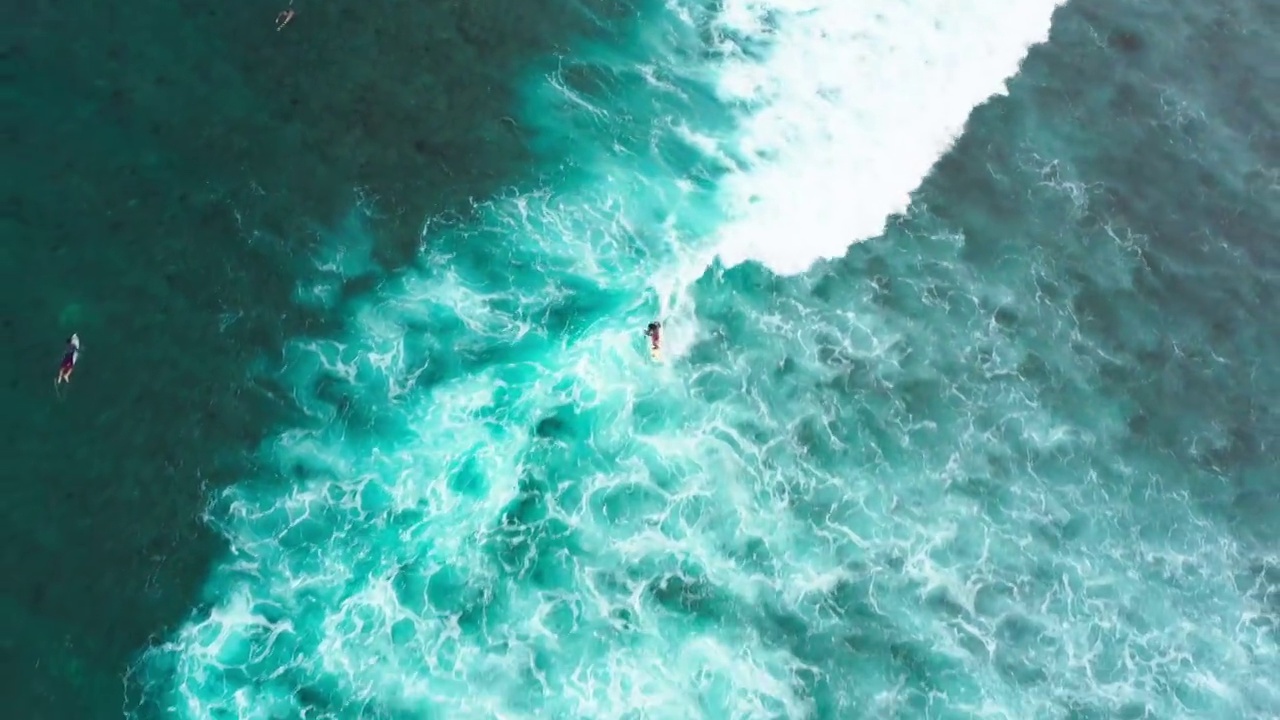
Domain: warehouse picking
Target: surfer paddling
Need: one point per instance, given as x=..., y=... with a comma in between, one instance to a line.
x=69, y=358
x=284, y=17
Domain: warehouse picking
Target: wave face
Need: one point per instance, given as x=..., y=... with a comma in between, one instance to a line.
x=894, y=485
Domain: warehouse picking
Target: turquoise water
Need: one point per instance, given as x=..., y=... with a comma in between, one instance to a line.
x=965, y=407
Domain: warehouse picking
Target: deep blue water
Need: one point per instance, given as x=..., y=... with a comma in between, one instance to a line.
x=966, y=406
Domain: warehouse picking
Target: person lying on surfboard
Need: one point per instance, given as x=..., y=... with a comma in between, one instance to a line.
x=69, y=358
x=654, y=333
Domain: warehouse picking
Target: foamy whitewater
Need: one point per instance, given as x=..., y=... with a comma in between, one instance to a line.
x=854, y=105
x=503, y=509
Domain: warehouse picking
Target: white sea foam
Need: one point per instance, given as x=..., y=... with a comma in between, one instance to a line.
x=851, y=101
x=849, y=108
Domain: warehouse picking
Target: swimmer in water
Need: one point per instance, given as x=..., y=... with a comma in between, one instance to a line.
x=69, y=358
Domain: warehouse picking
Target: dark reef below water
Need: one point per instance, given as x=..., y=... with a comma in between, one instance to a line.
x=170, y=168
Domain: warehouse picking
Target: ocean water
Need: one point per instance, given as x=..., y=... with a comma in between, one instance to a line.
x=168, y=173
x=965, y=409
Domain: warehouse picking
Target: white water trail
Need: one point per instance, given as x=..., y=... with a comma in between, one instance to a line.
x=850, y=109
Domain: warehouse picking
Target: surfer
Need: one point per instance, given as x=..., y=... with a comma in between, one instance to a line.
x=69, y=358
x=284, y=17
x=654, y=333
